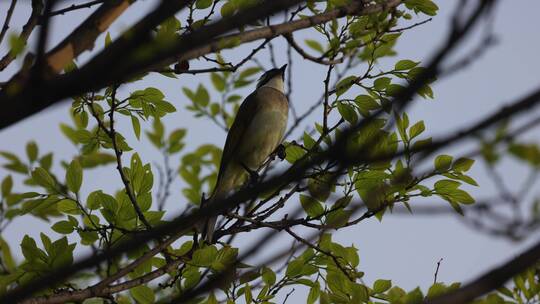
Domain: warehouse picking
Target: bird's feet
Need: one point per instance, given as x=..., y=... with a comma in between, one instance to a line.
x=253, y=175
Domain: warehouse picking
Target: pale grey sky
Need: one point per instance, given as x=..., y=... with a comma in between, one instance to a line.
x=403, y=248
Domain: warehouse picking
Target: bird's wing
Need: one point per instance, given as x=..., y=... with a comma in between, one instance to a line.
x=243, y=119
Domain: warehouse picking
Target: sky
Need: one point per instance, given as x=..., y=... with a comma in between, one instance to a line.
x=404, y=248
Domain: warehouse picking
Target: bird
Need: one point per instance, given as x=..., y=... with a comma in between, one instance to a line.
x=255, y=134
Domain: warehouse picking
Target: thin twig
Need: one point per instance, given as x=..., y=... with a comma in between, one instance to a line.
x=402, y=29
x=290, y=39
x=74, y=7
x=37, y=8
x=437, y=271
x=7, y=20
x=119, y=166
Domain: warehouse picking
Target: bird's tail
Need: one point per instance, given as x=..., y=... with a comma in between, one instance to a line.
x=210, y=224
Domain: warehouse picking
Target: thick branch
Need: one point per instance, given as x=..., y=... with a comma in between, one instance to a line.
x=84, y=36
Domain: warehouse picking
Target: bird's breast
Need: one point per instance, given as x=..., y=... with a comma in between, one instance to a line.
x=263, y=135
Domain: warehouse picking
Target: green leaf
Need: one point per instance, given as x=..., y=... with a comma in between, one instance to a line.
x=32, y=151
x=30, y=250
x=74, y=176
x=249, y=276
x=366, y=103
x=347, y=112
x=426, y=91
x=7, y=257
x=402, y=125
x=228, y=9
x=143, y=294
x=136, y=126
x=7, y=184
x=201, y=96
x=294, y=153
x=338, y=218
x=526, y=152
x=405, y=65
x=185, y=248
x=177, y=135
x=381, y=286
x=16, y=44
x=68, y=206
x=414, y=297
x=448, y=190
x=295, y=268
x=41, y=177
x=249, y=72
x=443, y=162
x=218, y=82
x=108, y=39
x=422, y=144
x=436, y=290
x=360, y=293
x=393, y=89
x=234, y=98
x=417, y=129
x=462, y=196
x=427, y=7
x=83, y=136
x=344, y=85
x=314, y=293
x=110, y=205
x=205, y=256
x=463, y=164
x=211, y=299
x=268, y=276
x=380, y=84
x=240, y=83
x=202, y=4
x=315, y=45
x=63, y=227
x=247, y=293
x=312, y=207
x=469, y=180
x=320, y=187
x=46, y=161
x=446, y=185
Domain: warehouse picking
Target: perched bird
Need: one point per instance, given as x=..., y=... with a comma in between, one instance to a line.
x=256, y=133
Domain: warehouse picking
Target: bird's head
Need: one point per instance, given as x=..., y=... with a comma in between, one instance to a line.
x=272, y=76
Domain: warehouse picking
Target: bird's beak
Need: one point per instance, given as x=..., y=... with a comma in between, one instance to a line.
x=283, y=68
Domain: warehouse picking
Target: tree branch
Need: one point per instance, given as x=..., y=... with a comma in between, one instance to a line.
x=7, y=20
x=37, y=8
x=102, y=290
x=74, y=7
x=191, y=45
x=119, y=166
x=182, y=224
x=85, y=35
x=290, y=39
x=491, y=280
